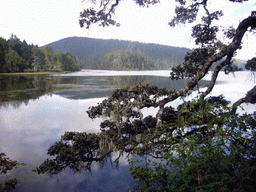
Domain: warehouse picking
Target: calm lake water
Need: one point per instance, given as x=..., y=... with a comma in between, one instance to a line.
x=35, y=110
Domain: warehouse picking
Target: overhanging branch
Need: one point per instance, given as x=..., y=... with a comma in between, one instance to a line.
x=249, y=98
x=225, y=51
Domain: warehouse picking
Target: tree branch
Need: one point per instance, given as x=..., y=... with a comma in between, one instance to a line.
x=225, y=51
x=214, y=77
x=249, y=98
x=112, y=8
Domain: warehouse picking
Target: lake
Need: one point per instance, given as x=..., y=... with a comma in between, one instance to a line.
x=35, y=110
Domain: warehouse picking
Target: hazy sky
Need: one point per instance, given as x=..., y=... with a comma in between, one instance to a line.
x=43, y=21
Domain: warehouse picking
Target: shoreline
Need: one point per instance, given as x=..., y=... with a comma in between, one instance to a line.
x=34, y=73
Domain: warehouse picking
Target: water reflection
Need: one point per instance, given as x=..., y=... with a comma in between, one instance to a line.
x=93, y=87
x=15, y=90
x=36, y=110
x=28, y=131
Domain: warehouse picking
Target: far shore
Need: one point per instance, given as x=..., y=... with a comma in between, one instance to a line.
x=35, y=73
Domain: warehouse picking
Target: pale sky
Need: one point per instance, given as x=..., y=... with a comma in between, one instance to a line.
x=43, y=21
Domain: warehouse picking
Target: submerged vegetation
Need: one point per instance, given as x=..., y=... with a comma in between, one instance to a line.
x=17, y=56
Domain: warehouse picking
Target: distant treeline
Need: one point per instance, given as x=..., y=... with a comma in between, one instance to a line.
x=116, y=54
x=18, y=56
x=104, y=54
x=126, y=59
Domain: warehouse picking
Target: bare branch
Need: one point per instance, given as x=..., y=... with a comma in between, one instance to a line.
x=249, y=98
x=214, y=76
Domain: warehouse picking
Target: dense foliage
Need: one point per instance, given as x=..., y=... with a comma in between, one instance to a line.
x=17, y=56
x=251, y=64
x=219, y=157
x=201, y=145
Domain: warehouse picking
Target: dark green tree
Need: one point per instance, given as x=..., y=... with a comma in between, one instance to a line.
x=17, y=56
x=251, y=64
x=3, y=52
x=14, y=62
x=22, y=48
x=38, y=59
x=26, y=53
x=203, y=144
x=69, y=62
x=10, y=60
x=15, y=44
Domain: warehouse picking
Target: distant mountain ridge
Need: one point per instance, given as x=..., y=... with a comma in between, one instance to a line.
x=88, y=50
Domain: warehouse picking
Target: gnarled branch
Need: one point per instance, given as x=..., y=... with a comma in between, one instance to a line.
x=225, y=51
x=249, y=98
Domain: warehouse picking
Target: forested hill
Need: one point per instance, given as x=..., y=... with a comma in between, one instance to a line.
x=18, y=56
x=92, y=53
